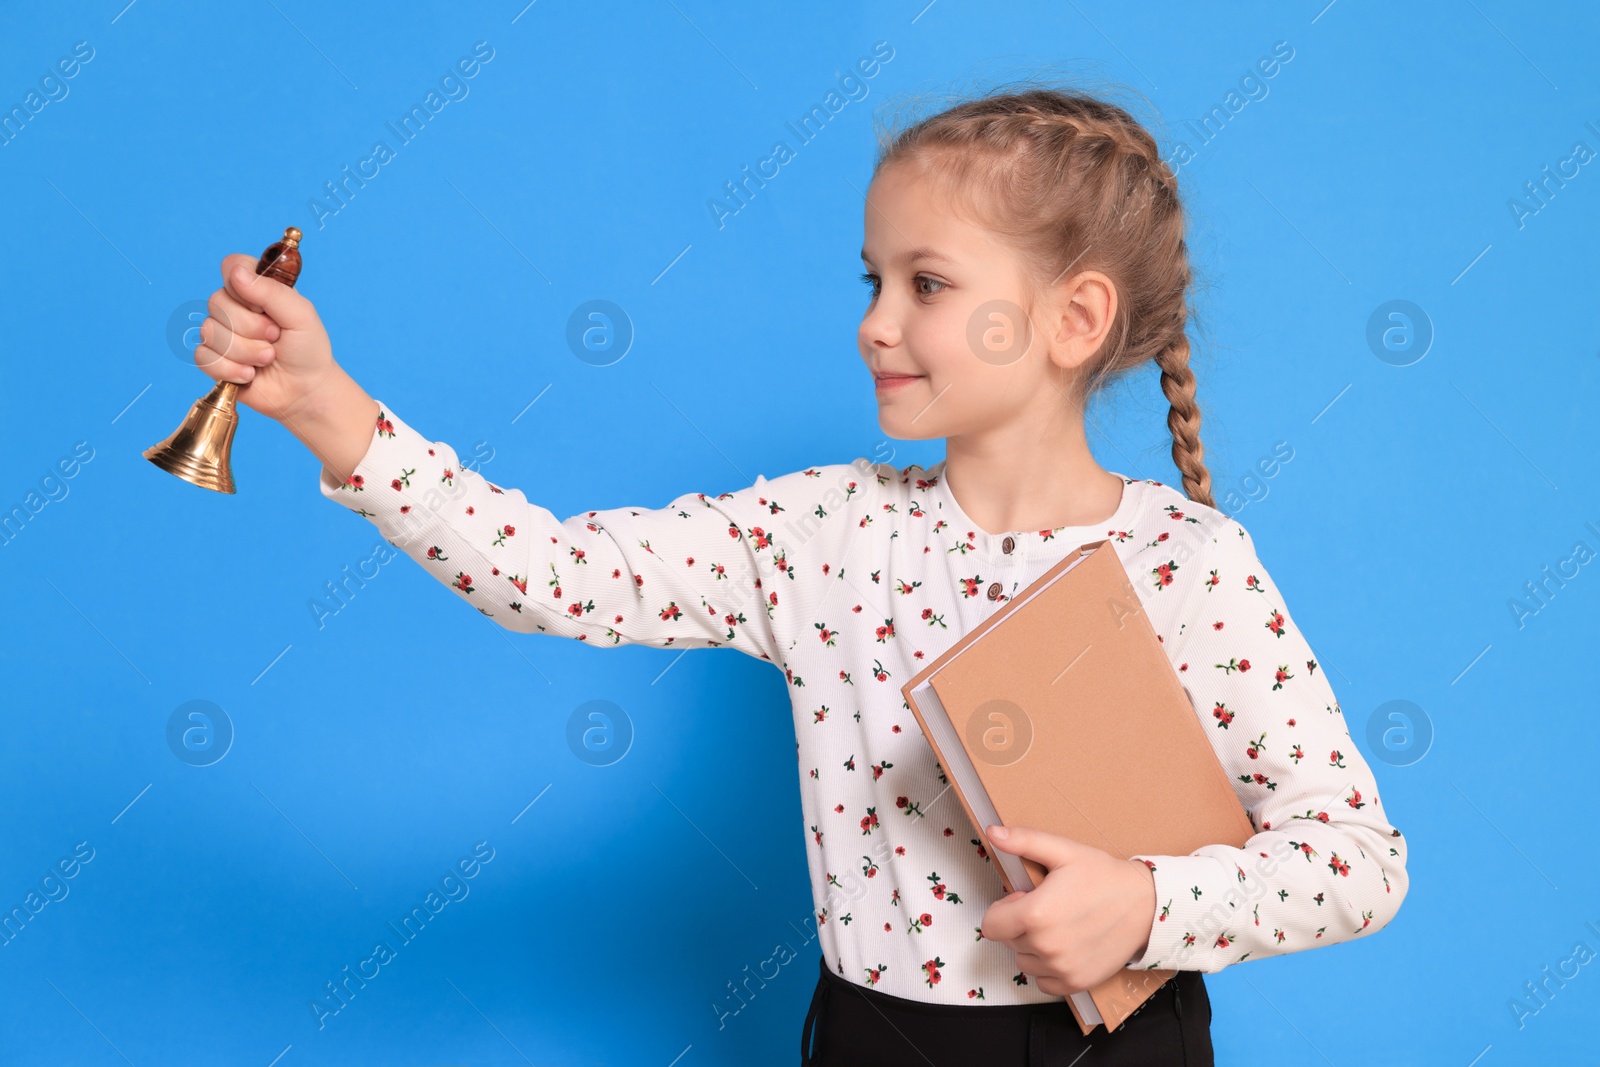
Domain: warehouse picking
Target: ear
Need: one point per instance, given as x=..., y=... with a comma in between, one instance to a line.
x=1078, y=312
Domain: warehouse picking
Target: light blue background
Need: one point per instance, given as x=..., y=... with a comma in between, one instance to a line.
x=373, y=753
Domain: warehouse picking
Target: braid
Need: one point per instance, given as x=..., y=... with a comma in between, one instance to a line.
x=1074, y=181
x=1183, y=419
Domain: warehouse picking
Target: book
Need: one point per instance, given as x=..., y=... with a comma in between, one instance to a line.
x=1061, y=712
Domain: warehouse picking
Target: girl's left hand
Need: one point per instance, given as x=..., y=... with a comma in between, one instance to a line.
x=1083, y=923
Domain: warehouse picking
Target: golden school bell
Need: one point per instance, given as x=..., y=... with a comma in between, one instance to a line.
x=198, y=451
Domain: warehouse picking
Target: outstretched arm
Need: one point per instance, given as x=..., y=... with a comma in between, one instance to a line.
x=703, y=571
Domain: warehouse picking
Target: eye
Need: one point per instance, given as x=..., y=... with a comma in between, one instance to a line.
x=871, y=280
x=933, y=281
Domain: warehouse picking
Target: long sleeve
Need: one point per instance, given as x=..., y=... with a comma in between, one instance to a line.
x=1325, y=864
x=701, y=572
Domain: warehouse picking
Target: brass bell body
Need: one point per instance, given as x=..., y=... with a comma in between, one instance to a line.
x=199, y=451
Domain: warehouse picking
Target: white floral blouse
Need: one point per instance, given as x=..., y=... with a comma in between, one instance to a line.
x=849, y=578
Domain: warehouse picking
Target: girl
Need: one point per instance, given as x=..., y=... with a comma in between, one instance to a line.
x=1022, y=251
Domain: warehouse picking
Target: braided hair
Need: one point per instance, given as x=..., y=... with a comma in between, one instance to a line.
x=1073, y=180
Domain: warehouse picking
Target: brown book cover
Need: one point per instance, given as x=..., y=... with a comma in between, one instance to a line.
x=1061, y=712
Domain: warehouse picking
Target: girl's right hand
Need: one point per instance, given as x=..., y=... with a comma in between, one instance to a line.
x=265, y=336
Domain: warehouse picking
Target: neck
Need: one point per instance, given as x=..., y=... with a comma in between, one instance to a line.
x=1014, y=479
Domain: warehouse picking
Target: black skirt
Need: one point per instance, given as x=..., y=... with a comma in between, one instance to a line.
x=853, y=1024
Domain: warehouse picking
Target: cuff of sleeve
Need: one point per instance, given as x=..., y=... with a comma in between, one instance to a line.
x=382, y=487
x=1187, y=923
x=350, y=492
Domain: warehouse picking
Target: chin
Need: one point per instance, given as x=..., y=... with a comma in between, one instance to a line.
x=902, y=429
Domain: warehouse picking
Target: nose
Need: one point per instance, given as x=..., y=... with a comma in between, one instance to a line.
x=879, y=330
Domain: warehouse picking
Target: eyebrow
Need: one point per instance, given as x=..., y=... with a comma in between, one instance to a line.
x=911, y=255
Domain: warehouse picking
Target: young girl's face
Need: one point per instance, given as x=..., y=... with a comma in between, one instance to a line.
x=947, y=316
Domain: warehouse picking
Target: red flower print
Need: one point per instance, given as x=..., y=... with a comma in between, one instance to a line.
x=941, y=892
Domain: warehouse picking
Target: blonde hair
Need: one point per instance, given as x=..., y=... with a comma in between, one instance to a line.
x=1074, y=181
